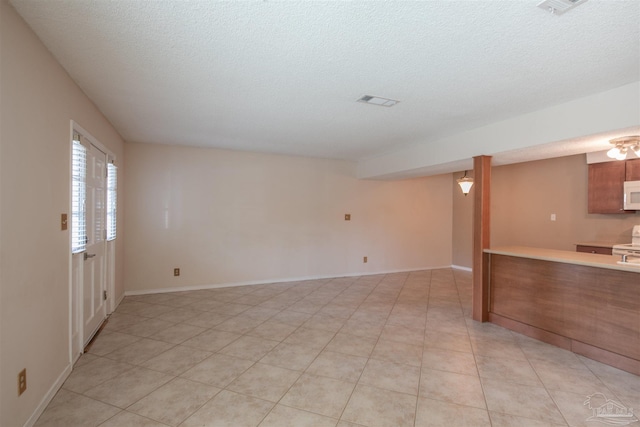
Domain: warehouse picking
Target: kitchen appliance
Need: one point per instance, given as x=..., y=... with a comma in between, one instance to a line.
x=630, y=252
x=632, y=195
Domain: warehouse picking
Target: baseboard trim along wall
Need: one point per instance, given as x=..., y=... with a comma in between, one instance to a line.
x=119, y=300
x=48, y=397
x=459, y=267
x=269, y=281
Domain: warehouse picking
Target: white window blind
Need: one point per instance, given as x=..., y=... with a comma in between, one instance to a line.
x=112, y=200
x=78, y=196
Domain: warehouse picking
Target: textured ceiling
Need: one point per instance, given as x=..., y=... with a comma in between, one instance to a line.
x=283, y=77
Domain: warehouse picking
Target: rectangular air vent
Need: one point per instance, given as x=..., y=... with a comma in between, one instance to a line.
x=376, y=100
x=558, y=7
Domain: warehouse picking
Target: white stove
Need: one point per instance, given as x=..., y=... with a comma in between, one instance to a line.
x=630, y=252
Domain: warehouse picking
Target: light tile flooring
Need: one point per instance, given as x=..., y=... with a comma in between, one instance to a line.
x=391, y=350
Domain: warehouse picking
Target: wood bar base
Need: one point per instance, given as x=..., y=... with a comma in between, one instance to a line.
x=592, y=309
x=595, y=353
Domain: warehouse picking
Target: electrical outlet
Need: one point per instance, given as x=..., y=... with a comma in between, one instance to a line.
x=553, y=217
x=176, y=271
x=364, y=259
x=22, y=381
x=63, y=221
x=347, y=217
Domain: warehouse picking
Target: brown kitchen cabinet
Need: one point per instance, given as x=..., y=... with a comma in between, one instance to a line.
x=632, y=170
x=606, y=183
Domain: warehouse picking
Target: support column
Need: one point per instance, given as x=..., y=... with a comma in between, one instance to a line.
x=481, y=236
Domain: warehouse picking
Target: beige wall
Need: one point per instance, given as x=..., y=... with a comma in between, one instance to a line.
x=524, y=196
x=228, y=217
x=461, y=236
x=38, y=100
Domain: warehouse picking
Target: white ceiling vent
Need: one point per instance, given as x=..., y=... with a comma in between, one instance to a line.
x=376, y=100
x=558, y=7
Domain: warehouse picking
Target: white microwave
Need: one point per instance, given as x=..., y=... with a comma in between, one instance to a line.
x=632, y=195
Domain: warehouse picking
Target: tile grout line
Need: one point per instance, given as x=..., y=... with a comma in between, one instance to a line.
x=300, y=375
x=300, y=372
x=473, y=353
x=370, y=353
x=424, y=344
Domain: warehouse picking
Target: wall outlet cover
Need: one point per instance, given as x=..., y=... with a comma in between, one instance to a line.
x=22, y=381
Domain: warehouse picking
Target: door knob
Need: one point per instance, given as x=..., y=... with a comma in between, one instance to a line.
x=87, y=256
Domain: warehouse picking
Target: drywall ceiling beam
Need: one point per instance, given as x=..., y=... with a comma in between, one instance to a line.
x=595, y=116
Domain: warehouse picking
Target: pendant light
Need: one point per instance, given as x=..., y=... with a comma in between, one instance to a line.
x=465, y=183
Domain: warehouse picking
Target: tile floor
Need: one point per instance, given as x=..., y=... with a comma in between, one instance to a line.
x=391, y=350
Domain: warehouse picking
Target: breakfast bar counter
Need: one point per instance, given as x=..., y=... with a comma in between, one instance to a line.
x=568, y=257
x=586, y=303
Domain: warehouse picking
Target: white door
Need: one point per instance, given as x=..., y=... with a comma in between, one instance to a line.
x=94, y=268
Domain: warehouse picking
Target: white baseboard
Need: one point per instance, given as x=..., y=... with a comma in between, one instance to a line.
x=120, y=299
x=459, y=267
x=57, y=385
x=270, y=281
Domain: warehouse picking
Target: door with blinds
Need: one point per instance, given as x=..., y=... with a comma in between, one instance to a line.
x=94, y=267
x=93, y=233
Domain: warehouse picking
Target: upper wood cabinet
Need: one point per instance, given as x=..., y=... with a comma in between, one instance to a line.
x=606, y=183
x=606, y=187
x=632, y=172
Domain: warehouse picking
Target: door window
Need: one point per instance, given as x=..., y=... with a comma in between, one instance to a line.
x=78, y=196
x=112, y=200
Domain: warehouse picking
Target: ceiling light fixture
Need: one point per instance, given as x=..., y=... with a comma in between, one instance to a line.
x=376, y=100
x=465, y=183
x=622, y=146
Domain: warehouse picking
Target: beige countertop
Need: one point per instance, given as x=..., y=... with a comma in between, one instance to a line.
x=568, y=257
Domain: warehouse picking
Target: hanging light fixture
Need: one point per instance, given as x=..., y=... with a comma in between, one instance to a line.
x=465, y=183
x=622, y=146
